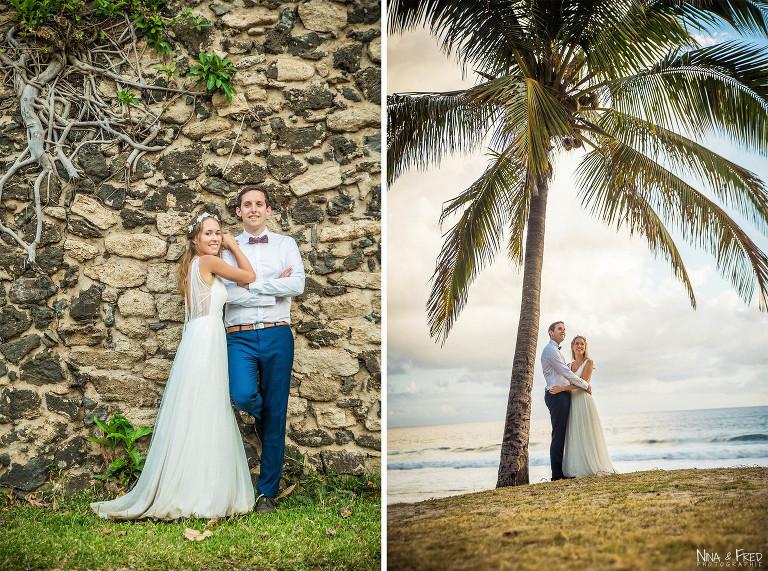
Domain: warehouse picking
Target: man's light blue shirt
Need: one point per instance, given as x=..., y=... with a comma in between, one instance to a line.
x=556, y=370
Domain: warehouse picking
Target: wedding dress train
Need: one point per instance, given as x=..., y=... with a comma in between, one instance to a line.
x=196, y=464
x=585, y=451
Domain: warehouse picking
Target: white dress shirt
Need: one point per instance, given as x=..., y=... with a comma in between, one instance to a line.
x=556, y=371
x=268, y=299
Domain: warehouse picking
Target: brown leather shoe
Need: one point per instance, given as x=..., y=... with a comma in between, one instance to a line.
x=265, y=505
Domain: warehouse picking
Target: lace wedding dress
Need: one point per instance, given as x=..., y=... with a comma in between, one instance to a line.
x=196, y=465
x=585, y=451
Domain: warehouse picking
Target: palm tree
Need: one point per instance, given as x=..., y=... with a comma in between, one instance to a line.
x=627, y=83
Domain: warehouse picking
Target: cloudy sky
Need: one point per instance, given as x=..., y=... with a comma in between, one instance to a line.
x=652, y=351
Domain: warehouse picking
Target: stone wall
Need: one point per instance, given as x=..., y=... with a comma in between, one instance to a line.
x=94, y=332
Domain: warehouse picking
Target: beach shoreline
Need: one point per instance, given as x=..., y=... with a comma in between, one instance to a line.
x=440, y=461
x=658, y=519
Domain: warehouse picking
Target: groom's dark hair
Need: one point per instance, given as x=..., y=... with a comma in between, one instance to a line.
x=552, y=327
x=249, y=189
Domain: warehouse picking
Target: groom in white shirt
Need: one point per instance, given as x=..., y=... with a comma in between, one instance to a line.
x=259, y=337
x=557, y=372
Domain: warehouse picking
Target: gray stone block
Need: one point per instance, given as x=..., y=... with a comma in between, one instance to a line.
x=27, y=477
x=13, y=322
x=31, y=290
x=62, y=405
x=343, y=462
x=20, y=403
x=42, y=369
x=15, y=351
x=312, y=438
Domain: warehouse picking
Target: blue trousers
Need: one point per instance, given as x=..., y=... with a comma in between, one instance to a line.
x=260, y=363
x=559, y=406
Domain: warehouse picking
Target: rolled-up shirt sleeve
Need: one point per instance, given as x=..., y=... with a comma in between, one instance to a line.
x=241, y=296
x=565, y=371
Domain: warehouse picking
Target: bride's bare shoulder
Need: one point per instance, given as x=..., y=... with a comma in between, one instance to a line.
x=206, y=264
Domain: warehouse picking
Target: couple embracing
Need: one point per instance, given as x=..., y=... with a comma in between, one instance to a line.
x=578, y=446
x=196, y=464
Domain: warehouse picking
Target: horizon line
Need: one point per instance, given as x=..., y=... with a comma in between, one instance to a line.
x=612, y=414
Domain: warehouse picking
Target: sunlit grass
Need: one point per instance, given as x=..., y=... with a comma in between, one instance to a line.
x=329, y=525
x=642, y=520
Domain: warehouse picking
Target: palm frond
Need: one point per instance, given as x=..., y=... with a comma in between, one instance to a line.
x=487, y=34
x=546, y=119
x=702, y=92
x=631, y=36
x=618, y=202
x=422, y=129
x=734, y=60
x=698, y=219
x=530, y=115
x=519, y=206
x=744, y=16
x=472, y=243
x=533, y=116
x=733, y=185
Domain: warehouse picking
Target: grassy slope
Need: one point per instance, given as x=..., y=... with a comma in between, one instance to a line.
x=642, y=520
x=304, y=533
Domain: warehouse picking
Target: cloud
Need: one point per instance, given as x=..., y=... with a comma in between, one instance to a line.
x=652, y=350
x=406, y=73
x=706, y=40
x=398, y=364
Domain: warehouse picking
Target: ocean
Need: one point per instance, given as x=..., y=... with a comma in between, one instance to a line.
x=437, y=461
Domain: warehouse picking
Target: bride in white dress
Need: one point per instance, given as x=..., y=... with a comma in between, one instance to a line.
x=585, y=451
x=196, y=464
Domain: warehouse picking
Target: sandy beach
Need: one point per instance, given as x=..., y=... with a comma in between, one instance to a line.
x=676, y=519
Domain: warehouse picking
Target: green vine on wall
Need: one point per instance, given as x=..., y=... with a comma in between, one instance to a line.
x=61, y=56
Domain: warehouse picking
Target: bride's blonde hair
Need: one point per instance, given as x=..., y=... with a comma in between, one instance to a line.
x=586, y=346
x=193, y=231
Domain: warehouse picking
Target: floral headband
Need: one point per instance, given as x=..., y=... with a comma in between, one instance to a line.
x=200, y=218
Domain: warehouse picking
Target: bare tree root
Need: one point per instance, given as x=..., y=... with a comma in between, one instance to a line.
x=65, y=105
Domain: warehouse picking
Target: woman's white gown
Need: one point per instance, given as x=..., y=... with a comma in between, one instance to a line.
x=196, y=465
x=585, y=451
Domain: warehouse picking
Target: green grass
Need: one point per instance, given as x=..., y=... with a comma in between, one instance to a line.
x=308, y=531
x=642, y=520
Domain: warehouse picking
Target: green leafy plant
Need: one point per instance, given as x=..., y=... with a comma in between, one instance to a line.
x=168, y=70
x=119, y=431
x=73, y=9
x=215, y=73
x=109, y=9
x=153, y=5
x=154, y=27
x=31, y=14
x=198, y=23
x=127, y=97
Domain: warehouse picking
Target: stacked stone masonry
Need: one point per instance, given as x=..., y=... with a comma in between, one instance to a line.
x=94, y=331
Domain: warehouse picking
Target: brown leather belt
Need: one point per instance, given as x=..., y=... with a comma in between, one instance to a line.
x=251, y=326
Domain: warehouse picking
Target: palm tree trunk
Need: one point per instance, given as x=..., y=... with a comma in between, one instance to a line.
x=513, y=465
